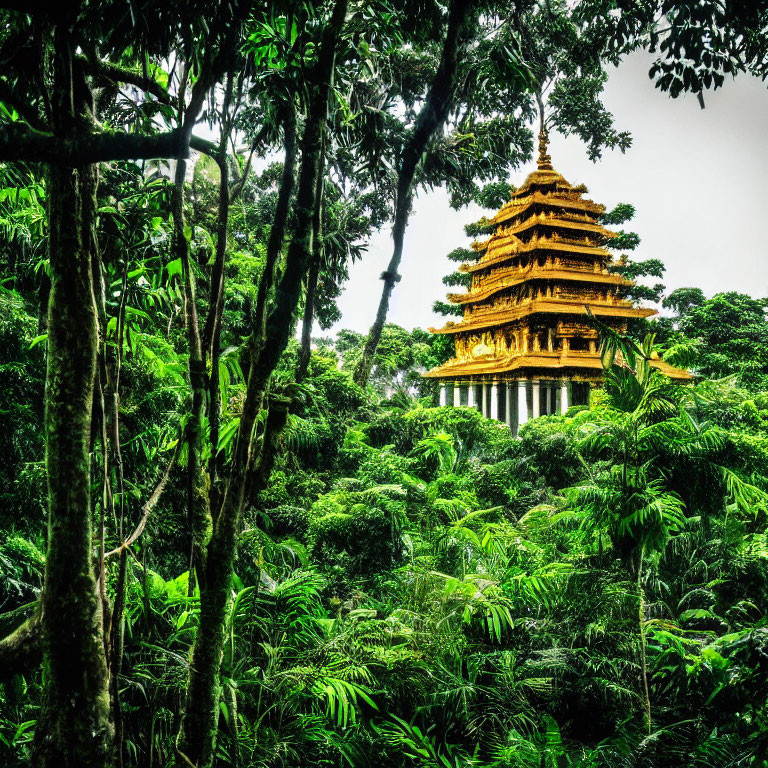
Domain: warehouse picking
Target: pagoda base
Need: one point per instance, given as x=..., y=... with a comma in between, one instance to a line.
x=516, y=401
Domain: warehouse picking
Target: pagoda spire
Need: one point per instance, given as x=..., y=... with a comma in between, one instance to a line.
x=544, y=161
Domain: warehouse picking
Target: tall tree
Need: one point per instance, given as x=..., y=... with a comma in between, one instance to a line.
x=251, y=460
x=431, y=118
x=48, y=92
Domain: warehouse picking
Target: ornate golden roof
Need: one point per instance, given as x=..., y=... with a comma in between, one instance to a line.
x=537, y=243
x=518, y=205
x=534, y=272
x=554, y=220
x=585, y=363
x=548, y=305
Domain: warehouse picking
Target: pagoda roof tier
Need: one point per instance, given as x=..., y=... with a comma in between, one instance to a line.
x=543, y=177
x=570, y=200
x=553, y=220
x=548, y=305
x=569, y=274
x=538, y=363
x=517, y=247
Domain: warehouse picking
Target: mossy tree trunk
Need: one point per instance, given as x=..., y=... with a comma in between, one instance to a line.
x=197, y=736
x=198, y=500
x=74, y=728
x=213, y=321
x=279, y=224
x=305, y=349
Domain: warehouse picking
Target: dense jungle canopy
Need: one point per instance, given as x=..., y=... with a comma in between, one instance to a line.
x=226, y=541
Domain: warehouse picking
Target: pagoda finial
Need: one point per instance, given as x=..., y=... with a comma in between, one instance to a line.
x=545, y=161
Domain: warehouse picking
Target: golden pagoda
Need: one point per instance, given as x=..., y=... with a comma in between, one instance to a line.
x=523, y=347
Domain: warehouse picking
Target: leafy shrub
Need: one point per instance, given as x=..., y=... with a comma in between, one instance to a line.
x=549, y=451
x=405, y=429
x=288, y=520
x=496, y=484
x=360, y=530
x=335, y=387
x=382, y=467
x=21, y=572
x=297, y=488
x=21, y=414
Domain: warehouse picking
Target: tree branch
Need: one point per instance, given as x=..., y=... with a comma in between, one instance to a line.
x=149, y=504
x=240, y=183
x=19, y=143
x=207, y=148
x=104, y=69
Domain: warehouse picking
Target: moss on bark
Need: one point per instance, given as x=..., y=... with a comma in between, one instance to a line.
x=74, y=728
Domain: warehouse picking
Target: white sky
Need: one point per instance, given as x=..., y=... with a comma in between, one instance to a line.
x=695, y=177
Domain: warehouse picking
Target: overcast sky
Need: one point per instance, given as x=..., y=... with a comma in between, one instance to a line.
x=696, y=177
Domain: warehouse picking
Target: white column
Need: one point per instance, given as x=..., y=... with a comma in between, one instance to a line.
x=522, y=403
x=456, y=394
x=471, y=395
x=443, y=394
x=484, y=399
x=564, y=396
x=510, y=404
x=556, y=390
x=535, y=404
x=495, y=401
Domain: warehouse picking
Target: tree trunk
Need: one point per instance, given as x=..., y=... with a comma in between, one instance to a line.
x=312, y=280
x=74, y=728
x=277, y=232
x=431, y=118
x=197, y=737
x=643, y=652
x=198, y=506
x=20, y=651
x=212, y=331
x=116, y=640
x=309, y=315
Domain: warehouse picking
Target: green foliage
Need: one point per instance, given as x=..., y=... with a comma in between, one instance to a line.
x=413, y=586
x=696, y=46
x=22, y=480
x=627, y=241
x=494, y=195
x=476, y=229
x=633, y=270
x=460, y=279
x=356, y=533
x=733, y=332
x=21, y=572
x=462, y=255
x=683, y=300
x=416, y=586
x=450, y=310
x=622, y=213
